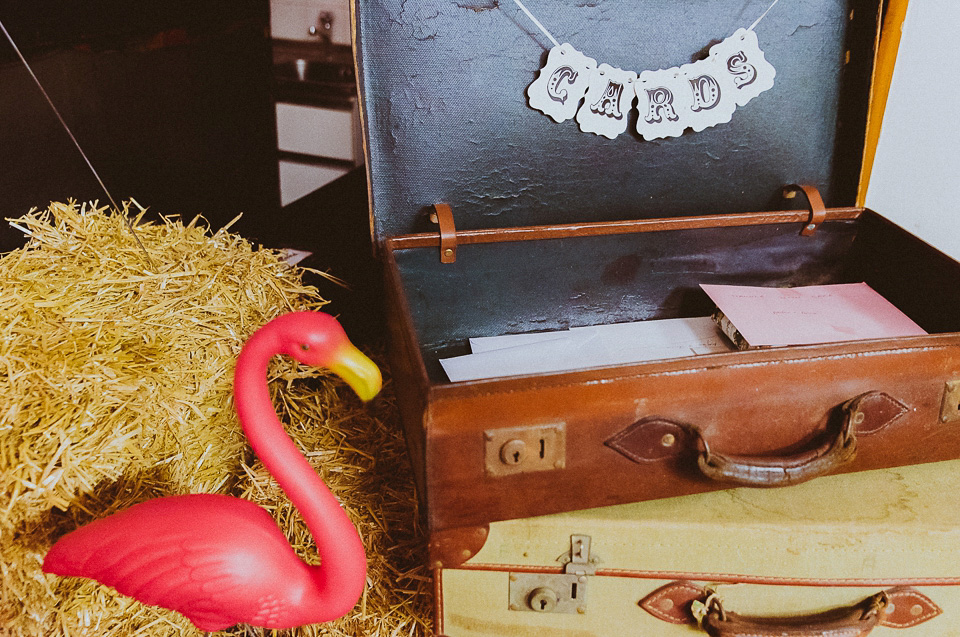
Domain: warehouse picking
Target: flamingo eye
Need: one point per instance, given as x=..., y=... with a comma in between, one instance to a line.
x=304, y=346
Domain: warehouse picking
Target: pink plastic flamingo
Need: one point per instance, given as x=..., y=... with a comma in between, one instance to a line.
x=219, y=560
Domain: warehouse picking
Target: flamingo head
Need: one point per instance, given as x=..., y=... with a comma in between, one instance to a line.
x=317, y=339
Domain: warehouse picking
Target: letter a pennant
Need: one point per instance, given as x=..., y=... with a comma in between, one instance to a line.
x=608, y=101
x=562, y=82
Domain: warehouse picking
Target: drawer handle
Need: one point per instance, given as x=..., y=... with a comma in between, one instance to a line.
x=688, y=603
x=656, y=438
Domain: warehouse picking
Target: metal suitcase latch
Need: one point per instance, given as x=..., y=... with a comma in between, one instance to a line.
x=560, y=592
x=950, y=406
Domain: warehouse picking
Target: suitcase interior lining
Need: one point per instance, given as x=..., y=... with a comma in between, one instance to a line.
x=514, y=287
x=447, y=120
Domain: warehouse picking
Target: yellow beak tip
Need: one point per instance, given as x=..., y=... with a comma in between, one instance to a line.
x=358, y=371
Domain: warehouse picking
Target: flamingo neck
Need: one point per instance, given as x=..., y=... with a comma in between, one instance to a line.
x=341, y=576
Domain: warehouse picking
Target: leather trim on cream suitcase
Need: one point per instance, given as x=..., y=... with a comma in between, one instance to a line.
x=888, y=537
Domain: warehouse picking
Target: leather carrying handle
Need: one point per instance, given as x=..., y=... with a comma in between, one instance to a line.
x=778, y=471
x=655, y=439
x=684, y=602
x=849, y=621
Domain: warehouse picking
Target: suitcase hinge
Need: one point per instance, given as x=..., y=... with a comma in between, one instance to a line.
x=442, y=215
x=556, y=593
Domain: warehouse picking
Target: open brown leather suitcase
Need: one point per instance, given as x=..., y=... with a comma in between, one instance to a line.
x=542, y=226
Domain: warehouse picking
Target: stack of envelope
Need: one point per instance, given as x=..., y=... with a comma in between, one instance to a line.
x=585, y=347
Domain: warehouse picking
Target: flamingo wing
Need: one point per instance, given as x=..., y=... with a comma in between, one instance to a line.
x=217, y=560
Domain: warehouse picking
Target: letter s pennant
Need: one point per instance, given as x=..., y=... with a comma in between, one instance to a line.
x=562, y=82
x=740, y=57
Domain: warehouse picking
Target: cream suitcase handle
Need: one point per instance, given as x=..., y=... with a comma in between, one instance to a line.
x=688, y=603
x=849, y=621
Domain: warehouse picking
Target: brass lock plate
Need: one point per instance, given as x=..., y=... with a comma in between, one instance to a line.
x=950, y=407
x=545, y=593
x=513, y=450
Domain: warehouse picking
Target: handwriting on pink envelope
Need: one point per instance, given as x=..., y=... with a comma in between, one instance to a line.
x=810, y=314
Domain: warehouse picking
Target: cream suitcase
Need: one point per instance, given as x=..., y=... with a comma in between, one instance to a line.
x=873, y=553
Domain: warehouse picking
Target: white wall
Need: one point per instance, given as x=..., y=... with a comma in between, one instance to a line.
x=917, y=169
x=292, y=19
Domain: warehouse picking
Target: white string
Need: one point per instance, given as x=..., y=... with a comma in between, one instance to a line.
x=537, y=22
x=752, y=26
x=75, y=142
x=556, y=43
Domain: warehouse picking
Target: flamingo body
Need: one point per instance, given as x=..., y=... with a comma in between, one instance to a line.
x=217, y=560
x=221, y=561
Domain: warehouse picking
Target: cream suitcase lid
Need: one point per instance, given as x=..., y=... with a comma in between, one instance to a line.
x=897, y=525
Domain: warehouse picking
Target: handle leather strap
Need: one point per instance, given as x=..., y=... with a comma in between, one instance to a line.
x=818, y=212
x=655, y=438
x=443, y=217
x=778, y=471
x=900, y=607
x=849, y=621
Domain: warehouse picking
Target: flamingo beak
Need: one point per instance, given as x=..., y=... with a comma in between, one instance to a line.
x=358, y=371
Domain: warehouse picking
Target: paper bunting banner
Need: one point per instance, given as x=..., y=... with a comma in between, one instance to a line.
x=669, y=101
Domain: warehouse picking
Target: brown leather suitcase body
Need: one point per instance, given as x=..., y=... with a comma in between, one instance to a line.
x=541, y=226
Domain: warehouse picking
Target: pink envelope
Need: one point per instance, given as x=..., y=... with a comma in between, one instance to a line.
x=810, y=314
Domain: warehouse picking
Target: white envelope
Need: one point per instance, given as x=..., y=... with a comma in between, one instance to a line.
x=554, y=355
x=487, y=343
x=584, y=347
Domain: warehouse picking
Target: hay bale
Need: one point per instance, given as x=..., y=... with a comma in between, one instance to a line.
x=112, y=367
x=115, y=387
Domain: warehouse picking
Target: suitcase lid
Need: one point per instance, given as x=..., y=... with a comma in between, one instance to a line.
x=444, y=105
x=889, y=524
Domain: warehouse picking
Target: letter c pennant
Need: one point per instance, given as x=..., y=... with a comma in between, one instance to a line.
x=562, y=82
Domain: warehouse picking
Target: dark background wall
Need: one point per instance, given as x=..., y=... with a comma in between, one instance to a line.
x=171, y=100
